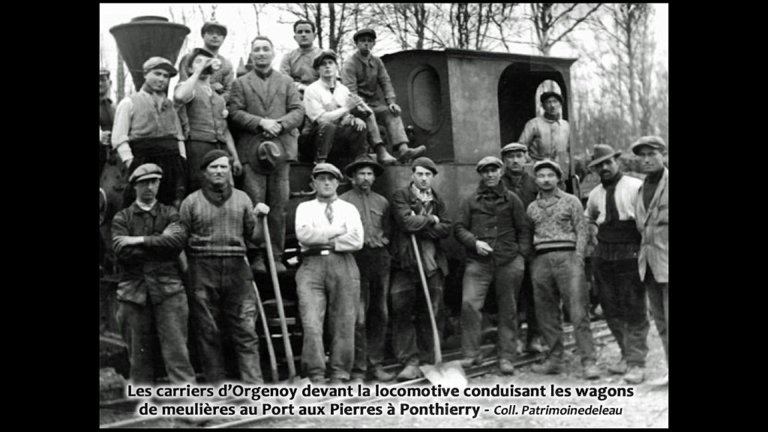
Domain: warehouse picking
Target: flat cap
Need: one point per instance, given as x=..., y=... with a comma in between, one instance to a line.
x=424, y=162
x=366, y=31
x=328, y=169
x=160, y=63
x=213, y=24
x=489, y=160
x=363, y=161
x=104, y=71
x=513, y=147
x=548, y=163
x=212, y=156
x=324, y=55
x=656, y=142
x=546, y=95
x=145, y=172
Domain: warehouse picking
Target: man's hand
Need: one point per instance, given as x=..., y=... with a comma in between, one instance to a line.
x=300, y=87
x=437, y=219
x=358, y=124
x=394, y=109
x=261, y=209
x=483, y=248
x=106, y=138
x=122, y=241
x=237, y=168
x=128, y=164
x=197, y=69
x=225, y=114
x=172, y=229
x=337, y=231
x=271, y=127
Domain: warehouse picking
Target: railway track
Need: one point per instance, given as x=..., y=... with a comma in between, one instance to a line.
x=488, y=365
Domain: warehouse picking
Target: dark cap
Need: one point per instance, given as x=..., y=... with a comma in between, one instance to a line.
x=104, y=71
x=366, y=31
x=514, y=147
x=489, y=160
x=145, y=172
x=363, y=161
x=547, y=95
x=323, y=55
x=653, y=141
x=160, y=63
x=548, y=163
x=212, y=156
x=328, y=169
x=196, y=52
x=424, y=162
x=602, y=152
x=212, y=24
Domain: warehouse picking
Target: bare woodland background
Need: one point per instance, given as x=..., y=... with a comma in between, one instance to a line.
x=619, y=84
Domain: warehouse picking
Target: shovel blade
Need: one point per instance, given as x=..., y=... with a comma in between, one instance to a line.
x=449, y=374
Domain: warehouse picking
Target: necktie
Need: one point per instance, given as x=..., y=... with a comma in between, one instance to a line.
x=329, y=213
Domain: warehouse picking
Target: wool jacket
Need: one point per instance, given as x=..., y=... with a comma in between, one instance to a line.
x=653, y=224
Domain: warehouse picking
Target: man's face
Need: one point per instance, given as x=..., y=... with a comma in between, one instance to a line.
x=157, y=79
x=327, y=68
x=607, y=169
x=325, y=185
x=552, y=106
x=651, y=159
x=304, y=35
x=213, y=37
x=262, y=54
x=364, y=178
x=491, y=175
x=217, y=172
x=546, y=179
x=104, y=85
x=146, y=190
x=514, y=161
x=422, y=178
x=365, y=44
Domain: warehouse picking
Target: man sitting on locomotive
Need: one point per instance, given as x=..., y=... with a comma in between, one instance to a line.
x=299, y=63
x=223, y=76
x=547, y=136
x=203, y=116
x=147, y=130
x=363, y=74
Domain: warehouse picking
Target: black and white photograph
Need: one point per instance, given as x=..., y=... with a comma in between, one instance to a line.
x=383, y=215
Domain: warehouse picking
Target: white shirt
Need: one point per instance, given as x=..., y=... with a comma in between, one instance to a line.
x=318, y=98
x=312, y=226
x=625, y=195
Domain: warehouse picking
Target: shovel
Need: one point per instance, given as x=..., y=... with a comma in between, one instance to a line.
x=267, y=336
x=450, y=374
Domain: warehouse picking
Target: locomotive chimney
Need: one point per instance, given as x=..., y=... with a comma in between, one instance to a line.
x=145, y=37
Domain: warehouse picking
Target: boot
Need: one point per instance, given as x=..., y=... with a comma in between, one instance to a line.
x=635, y=375
x=383, y=156
x=506, y=367
x=549, y=367
x=619, y=368
x=411, y=372
x=381, y=375
x=258, y=266
x=591, y=371
x=405, y=154
x=534, y=345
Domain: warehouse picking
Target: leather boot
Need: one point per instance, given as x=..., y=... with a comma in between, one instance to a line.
x=258, y=265
x=406, y=154
x=381, y=375
x=383, y=156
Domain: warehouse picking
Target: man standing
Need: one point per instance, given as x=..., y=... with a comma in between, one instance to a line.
x=547, y=136
x=611, y=207
x=417, y=210
x=652, y=215
x=557, y=272
x=147, y=130
x=517, y=180
x=328, y=230
x=204, y=111
x=331, y=127
x=298, y=64
x=223, y=75
x=373, y=263
x=363, y=74
x=267, y=110
x=151, y=299
x=217, y=220
x=493, y=227
x=106, y=117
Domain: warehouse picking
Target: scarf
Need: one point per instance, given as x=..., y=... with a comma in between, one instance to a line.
x=217, y=195
x=555, y=117
x=611, y=212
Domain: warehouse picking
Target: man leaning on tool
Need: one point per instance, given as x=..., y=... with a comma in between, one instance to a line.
x=328, y=280
x=151, y=298
x=373, y=261
x=611, y=207
x=494, y=229
x=217, y=220
x=417, y=210
x=557, y=272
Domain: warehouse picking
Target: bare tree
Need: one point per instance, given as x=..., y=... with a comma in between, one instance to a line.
x=554, y=21
x=333, y=21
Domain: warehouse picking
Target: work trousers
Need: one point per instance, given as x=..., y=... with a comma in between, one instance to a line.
x=223, y=305
x=658, y=300
x=372, y=310
x=622, y=296
x=411, y=327
x=167, y=321
x=328, y=283
x=338, y=144
x=195, y=152
x=393, y=123
x=558, y=276
x=525, y=303
x=274, y=191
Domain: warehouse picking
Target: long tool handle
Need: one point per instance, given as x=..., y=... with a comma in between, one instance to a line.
x=267, y=336
x=279, y=298
x=435, y=335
